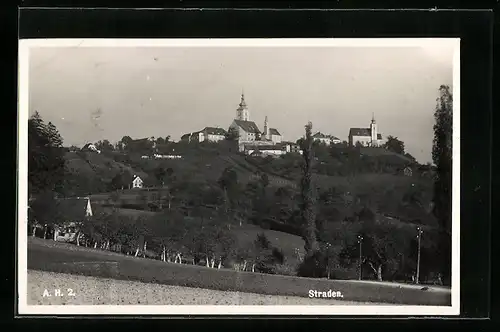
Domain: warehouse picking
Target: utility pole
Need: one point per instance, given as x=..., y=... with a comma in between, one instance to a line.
x=419, y=236
x=360, y=241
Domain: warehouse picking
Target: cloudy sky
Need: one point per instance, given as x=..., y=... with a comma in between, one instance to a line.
x=93, y=93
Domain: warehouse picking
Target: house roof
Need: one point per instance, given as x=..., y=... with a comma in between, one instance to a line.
x=362, y=132
x=248, y=126
x=214, y=131
x=88, y=145
x=274, y=131
x=185, y=136
x=321, y=135
x=73, y=209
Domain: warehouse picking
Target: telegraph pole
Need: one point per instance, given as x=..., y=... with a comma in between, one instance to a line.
x=419, y=236
x=360, y=241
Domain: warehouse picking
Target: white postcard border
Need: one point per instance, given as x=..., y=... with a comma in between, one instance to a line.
x=23, y=112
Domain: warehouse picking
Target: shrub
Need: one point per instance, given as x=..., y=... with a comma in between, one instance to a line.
x=313, y=266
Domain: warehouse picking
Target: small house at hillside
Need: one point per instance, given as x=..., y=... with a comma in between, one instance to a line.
x=137, y=182
x=407, y=171
x=90, y=147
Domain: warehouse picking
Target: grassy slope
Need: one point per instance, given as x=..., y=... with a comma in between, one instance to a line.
x=54, y=257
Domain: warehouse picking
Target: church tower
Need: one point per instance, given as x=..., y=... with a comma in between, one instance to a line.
x=242, y=111
x=373, y=131
x=266, y=129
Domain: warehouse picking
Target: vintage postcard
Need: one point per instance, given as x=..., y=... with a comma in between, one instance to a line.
x=239, y=176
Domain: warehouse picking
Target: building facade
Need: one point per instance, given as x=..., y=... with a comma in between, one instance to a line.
x=137, y=182
x=366, y=136
x=210, y=134
x=326, y=139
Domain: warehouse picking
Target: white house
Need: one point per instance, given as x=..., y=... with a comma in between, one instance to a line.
x=327, y=139
x=366, y=136
x=90, y=147
x=137, y=182
x=266, y=150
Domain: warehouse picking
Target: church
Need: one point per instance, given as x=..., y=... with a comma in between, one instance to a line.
x=249, y=132
x=366, y=136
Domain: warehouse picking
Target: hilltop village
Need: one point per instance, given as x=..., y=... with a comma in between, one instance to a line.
x=269, y=141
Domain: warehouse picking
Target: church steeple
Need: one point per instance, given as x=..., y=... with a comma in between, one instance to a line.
x=373, y=131
x=266, y=129
x=242, y=110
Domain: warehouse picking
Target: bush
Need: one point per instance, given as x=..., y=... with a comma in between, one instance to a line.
x=285, y=270
x=313, y=266
x=278, y=255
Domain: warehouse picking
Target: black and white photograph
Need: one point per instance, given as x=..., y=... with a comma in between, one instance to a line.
x=239, y=176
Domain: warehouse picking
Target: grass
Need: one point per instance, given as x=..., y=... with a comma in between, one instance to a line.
x=96, y=291
x=284, y=241
x=57, y=258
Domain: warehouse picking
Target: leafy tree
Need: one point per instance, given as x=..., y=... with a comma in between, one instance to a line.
x=104, y=146
x=264, y=180
x=46, y=164
x=308, y=194
x=126, y=142
x=382, y=248
x=228, y=182
x=117, y=182
x=395, y=145
x=232, y=134
x=160, y=174
x=442, y=157
x=45, y=210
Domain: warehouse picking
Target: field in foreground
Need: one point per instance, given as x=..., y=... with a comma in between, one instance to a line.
x=98, y=291
x=52, y=257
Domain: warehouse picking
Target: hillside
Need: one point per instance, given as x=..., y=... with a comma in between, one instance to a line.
x=373, y=176
x=89, y=172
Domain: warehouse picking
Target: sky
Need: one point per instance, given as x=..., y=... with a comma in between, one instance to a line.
x=94, y=93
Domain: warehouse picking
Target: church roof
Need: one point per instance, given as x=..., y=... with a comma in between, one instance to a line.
x=274, y=131
x=248, y=126
x=362, y=132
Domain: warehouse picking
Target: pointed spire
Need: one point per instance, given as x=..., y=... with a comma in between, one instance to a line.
x=373, y=117
x=242, y=103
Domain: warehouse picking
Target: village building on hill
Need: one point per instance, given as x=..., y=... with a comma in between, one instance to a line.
x=90, y=147
x=137, y=182
x=211, y=134
x=250, y=136
x=326, y=139
x=366, y=136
